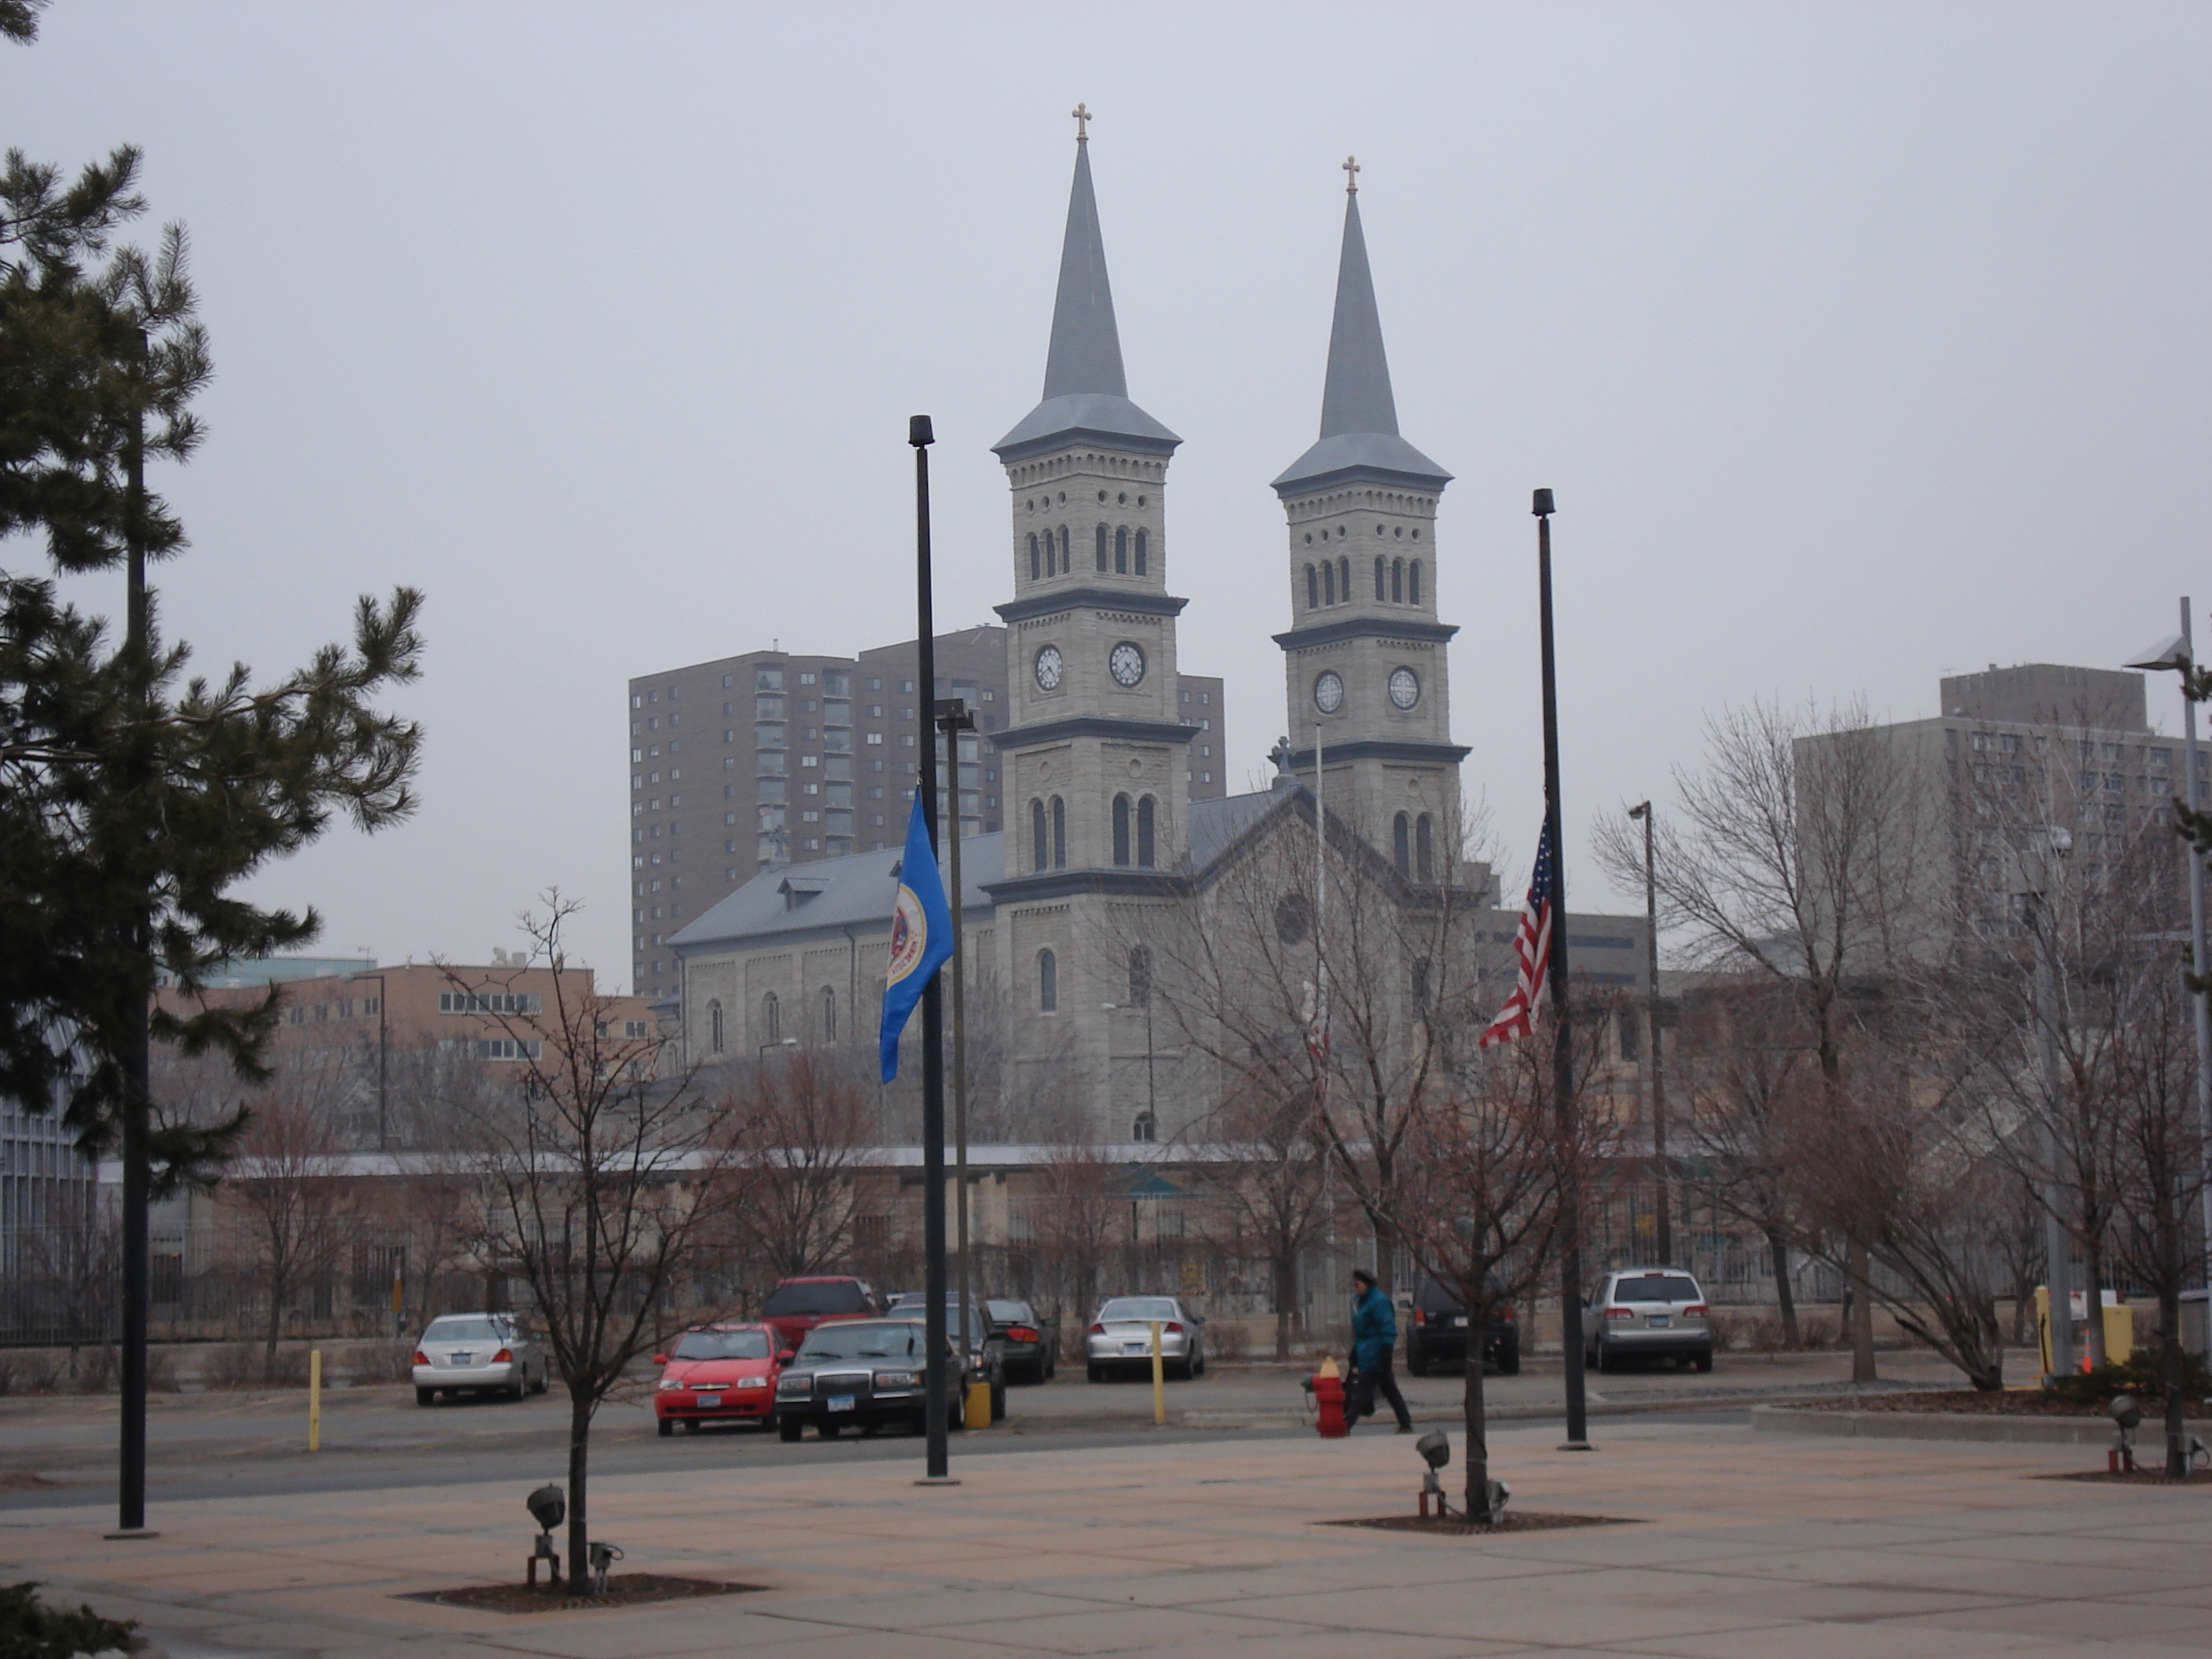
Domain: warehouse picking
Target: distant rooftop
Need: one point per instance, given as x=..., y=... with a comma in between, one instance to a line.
x=2050, y=694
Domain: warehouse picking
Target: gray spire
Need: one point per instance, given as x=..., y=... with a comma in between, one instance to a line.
x=1085, y=392
x=1359, y=416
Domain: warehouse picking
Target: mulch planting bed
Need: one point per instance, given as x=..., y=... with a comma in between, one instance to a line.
x=2157, y=1477
x=625, y=1589
x=2009, y=1402
x=1454, y=1527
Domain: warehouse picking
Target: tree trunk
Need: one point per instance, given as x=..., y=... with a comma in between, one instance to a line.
x=1386, y=1252
x=1779, y=1249
x=2170, y=1367
x=1862, y=1332
x=1478, y=1439
x=275, y=1326
x=579, y=1447
x=2093, y=1297
x=1287, y=1275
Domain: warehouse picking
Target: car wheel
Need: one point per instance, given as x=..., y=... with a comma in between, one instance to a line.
x=425, y=1396
x=1198, y=1365
x=1097, y=1373
x=1705, y=1360
x=999, y=1402
x=1417, y=1362
x=1509, y=1359
x=789, y=1433
x=667, y=1427
x=1181, y=1371
x=520, y=1390
x=544, y=1382
x=1604, y=1361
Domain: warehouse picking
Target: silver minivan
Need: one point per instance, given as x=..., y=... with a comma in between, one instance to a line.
x=1659, y=1311
x=482, y=1352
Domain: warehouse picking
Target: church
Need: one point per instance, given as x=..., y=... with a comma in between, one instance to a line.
x=1104, y=852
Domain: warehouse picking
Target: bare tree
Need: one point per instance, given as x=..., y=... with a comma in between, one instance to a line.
x=597, y=1178
x=286, y=1182
x=801, y=1136
x=1267, y=1180
x=1079, y=1196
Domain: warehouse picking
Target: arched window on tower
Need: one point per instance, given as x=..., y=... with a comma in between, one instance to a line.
x=771, y=1019
x=1048, y=982
x=1040, y=849
x=1398, y=580
x=1401, y=852
x=1036, y=564
x=1147, y=1127
x=1120, y=830
x=1122, y=551
x=1312, y=589
x=1424, y=850
x=1140, y=977
x=1141, y=552
x=1380, y=564
x=1344, y=578
x=1328, y=582
x=1059, y=834
x=1101, y=547
x=1413, y=583
x=1148, y=819
x=829, y=1015
x=715, y=1026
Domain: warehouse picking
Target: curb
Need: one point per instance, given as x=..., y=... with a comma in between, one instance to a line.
x=1944, y=1425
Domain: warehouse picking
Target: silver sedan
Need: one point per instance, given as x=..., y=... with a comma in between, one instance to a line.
x=1121, y=1337
x=482, y=1352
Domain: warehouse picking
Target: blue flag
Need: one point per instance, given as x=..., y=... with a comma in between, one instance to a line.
x=921, y=935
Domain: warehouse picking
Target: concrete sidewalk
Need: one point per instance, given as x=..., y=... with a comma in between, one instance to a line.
x=1744, y=1546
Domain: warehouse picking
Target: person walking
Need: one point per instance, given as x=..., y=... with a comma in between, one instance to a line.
x=1373, y=1344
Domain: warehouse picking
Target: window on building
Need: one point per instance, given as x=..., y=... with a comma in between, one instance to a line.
x=1398, y=580
x=1344, y=578
x=1312, y=589
x=1141, y=552
x=829, y=1015
x=1424, y=851
x=1048, y=982
x=1101, y=547
x=1327, y=584
x=1147, y=817
x=1401, y=844
x=1063, y=558
x=1413, y=583
x=1038, y=845
x=714, y=1027
x=1122, y=551
x=771, y=1018
x=1120, y=830
x=1147, y=1127
x=1058, y=833
x=1381, y=566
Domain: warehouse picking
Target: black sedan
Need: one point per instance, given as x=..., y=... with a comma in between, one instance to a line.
x=868, y=1374
x=1028, y=1340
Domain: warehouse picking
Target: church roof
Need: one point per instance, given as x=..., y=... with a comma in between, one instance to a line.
x=1085, y=392
x=1358, y=413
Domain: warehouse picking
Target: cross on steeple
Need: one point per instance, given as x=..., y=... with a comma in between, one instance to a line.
x=1082, y=114
x=1352, y=175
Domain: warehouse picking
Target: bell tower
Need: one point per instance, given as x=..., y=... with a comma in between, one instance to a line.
x=1094, y=759
x=1364, y=660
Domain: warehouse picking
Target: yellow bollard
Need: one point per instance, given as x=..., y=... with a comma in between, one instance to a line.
x=315, y=1400
x=976, y=1413
x=1159, y=1381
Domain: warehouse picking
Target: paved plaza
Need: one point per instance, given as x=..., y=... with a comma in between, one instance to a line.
x=1739, y=1546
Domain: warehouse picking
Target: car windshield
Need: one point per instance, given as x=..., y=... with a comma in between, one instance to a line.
x=1010, y=1313
x=1655, y=1287
x=1144, y=1308
x=462, y=1330
x=840, y=1296
x=722, y=1345
x=859, y=1341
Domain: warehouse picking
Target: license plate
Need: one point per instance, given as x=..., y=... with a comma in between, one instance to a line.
x=1136, y=1347
x=710, y=1399
x=461, y=1359
x=1658, y=1322
x=841, y=1402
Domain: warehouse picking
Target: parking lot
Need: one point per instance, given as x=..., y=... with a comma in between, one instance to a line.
x=59, y=1450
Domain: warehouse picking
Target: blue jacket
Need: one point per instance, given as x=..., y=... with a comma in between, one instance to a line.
x=1374, y=1330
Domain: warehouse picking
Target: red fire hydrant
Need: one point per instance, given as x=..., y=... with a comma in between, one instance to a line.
x=1327, y=1388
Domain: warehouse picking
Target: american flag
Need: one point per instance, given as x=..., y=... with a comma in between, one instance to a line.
x=1532, y=953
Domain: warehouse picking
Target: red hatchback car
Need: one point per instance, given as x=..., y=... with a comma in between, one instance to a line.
x=796, y=1306
x=719, y=1374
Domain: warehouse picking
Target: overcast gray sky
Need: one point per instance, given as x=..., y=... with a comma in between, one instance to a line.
x=1861, y=342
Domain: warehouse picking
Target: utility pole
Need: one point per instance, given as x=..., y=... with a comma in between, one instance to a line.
x=953, y=716
x=1655, y=1061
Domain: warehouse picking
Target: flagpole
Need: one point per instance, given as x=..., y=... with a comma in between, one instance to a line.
x=935, y=1400
x=1563, y=1059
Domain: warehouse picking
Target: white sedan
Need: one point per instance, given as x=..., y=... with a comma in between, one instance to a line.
x=482, y=1352
x=1121, y=1337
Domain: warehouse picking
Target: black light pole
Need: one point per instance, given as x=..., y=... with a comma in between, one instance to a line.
x=1657, y=1059
x=935, y=1395
x=1563, y=1059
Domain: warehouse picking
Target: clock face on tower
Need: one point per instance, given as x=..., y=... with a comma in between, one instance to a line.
x=1405, y=687
x=1049, y=668
x=1329, y=692
x=1127, y=664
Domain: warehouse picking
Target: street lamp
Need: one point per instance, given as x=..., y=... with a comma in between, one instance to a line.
x=2036, y=871
x=780, y=1042
x=2177, y=653
x=383, y=1118
x=1665, y=1219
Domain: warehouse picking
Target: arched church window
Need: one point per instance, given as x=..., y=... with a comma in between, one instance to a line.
x=1327, y=583
x=1344, y=578
x=1121, y=829
x=1058, y=833
x=1122, y=551
x=1423, y=852
x=1063, y=549
x=1401, y=852
x=1398, y=580
x=1147, y=818
x=715, y=1026
x=1101, y=547
x=771, y=1019
x=1312, y=589
x=1141, y=552
x=1040, y=849
x=1147, y=1127
x=1048, y=982
x=1413, y=583
x=1036, y=566
x=829, y=1015
x=1140, y=977
x=1380, y=565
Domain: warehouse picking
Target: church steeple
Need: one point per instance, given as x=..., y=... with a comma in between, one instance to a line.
x=1086, y=393
x=1358, y=415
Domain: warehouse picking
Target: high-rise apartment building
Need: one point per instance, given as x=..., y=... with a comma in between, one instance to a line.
x=776, y=757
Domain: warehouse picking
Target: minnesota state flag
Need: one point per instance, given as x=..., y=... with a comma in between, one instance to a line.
x=921, y=935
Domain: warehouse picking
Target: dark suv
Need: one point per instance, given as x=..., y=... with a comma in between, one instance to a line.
x=1437, y=1333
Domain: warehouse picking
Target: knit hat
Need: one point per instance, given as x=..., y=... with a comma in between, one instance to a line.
x=1364, y=1277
